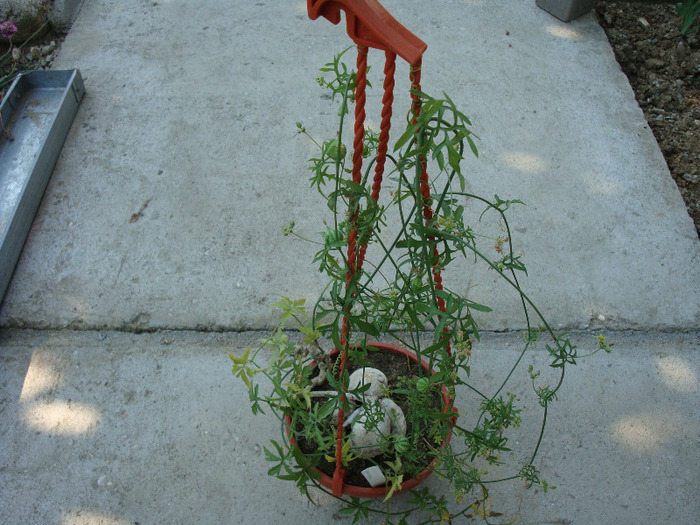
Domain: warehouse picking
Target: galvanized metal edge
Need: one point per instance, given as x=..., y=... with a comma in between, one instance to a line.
x=17, y=228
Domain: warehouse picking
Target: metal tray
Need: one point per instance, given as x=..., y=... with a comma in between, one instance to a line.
x=37, y=111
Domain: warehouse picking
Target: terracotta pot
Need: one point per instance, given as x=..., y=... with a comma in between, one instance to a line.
x=380, y=492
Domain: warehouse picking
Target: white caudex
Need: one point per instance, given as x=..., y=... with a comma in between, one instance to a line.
x=377, y=417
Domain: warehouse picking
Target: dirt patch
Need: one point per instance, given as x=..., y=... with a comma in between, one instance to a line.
x=663, y=68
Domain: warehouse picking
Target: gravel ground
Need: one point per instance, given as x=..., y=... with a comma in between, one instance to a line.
x=29, y=56
x=663, y=68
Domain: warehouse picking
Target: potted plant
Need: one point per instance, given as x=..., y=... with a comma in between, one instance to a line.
x=366, y=392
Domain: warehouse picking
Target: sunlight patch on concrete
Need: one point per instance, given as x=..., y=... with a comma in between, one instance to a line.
x=565, y=32
x=90, y=517
x=646, y=433
x=370, y=123
x=66, y=418
x=677, y=373
x=601, y=184
x=42, y=376
x=525, y=161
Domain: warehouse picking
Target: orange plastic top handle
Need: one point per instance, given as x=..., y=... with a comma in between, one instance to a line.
x=370, y=25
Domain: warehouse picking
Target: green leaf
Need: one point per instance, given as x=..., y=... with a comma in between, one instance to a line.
x=353, y=187
x=441, y=343
x=364, y=326
x=335, y=336
x=477, y=306
x=410, y=243
x=438, y=155
x=414, y=318
x=407, y=135
x=327, y=409
x=472, y=146
x=242, y=360
x=428, y=109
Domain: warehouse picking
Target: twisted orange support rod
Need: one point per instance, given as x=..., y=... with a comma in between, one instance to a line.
x=384, y=127
x=354, y=264
x=387, y=103
x=428, y=213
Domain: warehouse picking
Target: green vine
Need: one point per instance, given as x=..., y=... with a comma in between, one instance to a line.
x=395, y=296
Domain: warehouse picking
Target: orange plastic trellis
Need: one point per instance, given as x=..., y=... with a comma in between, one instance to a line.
x=370, y=25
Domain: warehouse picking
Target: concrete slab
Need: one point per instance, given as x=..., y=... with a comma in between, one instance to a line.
x=64, y=12
x=189, y=126
x=116, y=428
